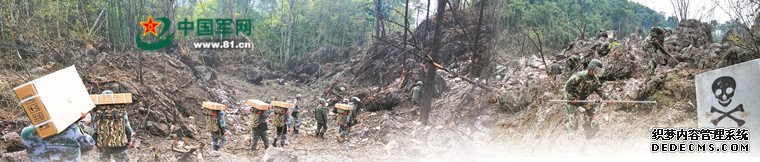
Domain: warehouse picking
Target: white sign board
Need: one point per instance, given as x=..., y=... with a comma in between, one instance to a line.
x=729, y=98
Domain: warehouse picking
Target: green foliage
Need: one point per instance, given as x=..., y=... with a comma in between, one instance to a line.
x=560, y=21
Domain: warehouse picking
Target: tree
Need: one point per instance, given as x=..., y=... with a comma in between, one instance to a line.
x=681, y=8
x=429, y=86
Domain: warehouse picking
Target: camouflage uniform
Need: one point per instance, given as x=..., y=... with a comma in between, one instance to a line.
x=65, y=146
x=653, y=43
x=294, y=113
x=355, y=101
x=572, y=63
x=416, y=90
x=259, y=127
x=579, y=87
x=215, y=124
x=279, y=121
x=113, y=132
x=320, y=114
x=343, y=119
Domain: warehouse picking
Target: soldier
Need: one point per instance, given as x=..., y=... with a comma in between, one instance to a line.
x=355, y=101
x=654, y=43
x=320, y=114
x=294, y=113
x=579, y=87
x=65, y=146
x=215, y=123
x=279, y=120
x=343, y=119
x=572, y=63
x=113, y=132
x=601, y=34
x=259, y=127
x=416, y=90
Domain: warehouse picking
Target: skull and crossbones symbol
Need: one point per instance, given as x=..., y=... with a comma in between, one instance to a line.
x=724, y=88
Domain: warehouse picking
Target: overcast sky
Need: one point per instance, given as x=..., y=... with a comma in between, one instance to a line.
x=698, y=9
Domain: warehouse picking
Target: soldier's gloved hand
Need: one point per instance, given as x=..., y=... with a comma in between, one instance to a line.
x=131, y=144
x=574, y=102
x=611, y=102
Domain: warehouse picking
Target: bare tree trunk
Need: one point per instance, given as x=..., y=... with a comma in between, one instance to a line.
x=582, y=34
x=378, y=18
x=476, y=55
x=232, y=14
x=429, y=89
x=404, y=68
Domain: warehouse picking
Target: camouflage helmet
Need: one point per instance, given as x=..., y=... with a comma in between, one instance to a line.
x=107, y=92
x=355, y=99
x=595, y=64
x=656, y=30
x=418, y=83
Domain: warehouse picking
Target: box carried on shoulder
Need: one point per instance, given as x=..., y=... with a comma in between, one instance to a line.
x=214, y=106
x=344, y=107
x=257, y=104
x=54, y=101
x=111, y=99
x=281, y=104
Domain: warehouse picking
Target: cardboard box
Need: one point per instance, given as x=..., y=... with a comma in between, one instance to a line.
x=111, y=99
x=214, y=106
x=258, y=104
x=344, y=107
x=282, y=104
x=54, y=101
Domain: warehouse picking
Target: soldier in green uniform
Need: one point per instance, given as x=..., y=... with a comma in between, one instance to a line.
x=572, y=63
x=65, y=146
x=416, y=92
x=579, y=87
x=279, y=121
x=654, y=43
x=343, y=119
x=259, y=127
x=215, y=124
x=113, y=133
x=355, y=101
x=320, y=114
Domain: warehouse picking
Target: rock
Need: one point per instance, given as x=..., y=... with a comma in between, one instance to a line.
x=210, y=59
x=158, y=129
x=309, y=68
x=385, y=100
x=204, y=73
x=691, y=32
x=36, y=70
x=278, y=154
x=18, y=156
x=650, y=86
x=250, y=74
x=13, y=142
x=328, y=53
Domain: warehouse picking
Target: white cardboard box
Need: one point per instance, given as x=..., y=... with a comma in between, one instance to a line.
x=54, y=101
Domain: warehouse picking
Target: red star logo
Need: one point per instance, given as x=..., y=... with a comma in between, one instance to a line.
x=150, y=26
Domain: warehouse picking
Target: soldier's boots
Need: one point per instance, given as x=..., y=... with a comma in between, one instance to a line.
x=274, y=144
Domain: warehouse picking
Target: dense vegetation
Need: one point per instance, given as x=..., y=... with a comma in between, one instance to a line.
x=286, y=29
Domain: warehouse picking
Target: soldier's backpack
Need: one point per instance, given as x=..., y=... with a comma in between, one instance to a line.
x=343, y=116
x=212, y=122
x=256, y=117
x=111, y=129
x=278, y=120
